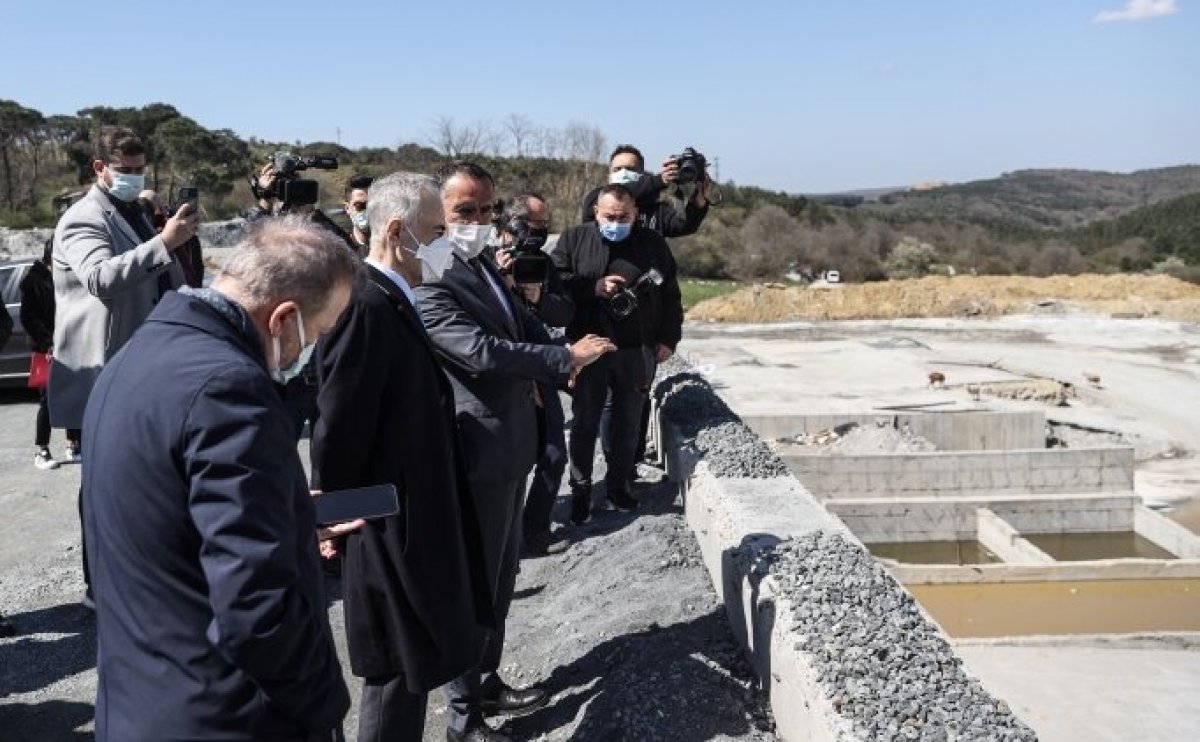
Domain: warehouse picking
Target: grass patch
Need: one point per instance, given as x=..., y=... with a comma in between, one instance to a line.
x=695, y=290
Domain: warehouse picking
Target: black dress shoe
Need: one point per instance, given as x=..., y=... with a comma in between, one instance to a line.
x=581, y=507
x=622, y=501
x=477, y=734
x=543, y=544
x=513, y=701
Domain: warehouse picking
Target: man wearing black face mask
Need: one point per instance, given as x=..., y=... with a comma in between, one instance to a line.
x=599, y=261
x=527, y=220
x=627, y=167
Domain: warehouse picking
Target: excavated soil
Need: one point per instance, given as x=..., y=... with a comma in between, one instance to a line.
x=961, y=296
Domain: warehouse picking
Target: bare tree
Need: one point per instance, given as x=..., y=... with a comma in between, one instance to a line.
x=521, y=131
x=455, y=140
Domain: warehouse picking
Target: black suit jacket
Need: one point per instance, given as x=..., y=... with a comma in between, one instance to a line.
x=416, y=596
x=492, y=364
x=201, y=543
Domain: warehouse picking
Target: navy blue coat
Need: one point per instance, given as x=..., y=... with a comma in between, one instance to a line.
x=201, y=541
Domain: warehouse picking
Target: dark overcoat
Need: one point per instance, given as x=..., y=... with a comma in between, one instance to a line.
x=414, y=588
x=201, y=542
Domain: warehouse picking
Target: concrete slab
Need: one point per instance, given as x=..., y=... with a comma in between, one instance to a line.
x=1101, y=692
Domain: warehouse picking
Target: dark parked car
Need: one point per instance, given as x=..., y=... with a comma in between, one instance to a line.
x=14, y=356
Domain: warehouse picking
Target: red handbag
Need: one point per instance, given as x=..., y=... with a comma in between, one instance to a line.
x=39, y=370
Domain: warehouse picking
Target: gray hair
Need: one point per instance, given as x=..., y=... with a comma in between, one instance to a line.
x=290, y=257
x=397, y=196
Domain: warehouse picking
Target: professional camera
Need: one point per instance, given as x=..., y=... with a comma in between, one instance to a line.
x=530, y=265
x=692, y=166
x=625, y=302
x=290, y=189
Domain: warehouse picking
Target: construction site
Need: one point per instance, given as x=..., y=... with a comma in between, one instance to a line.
x=915, y=523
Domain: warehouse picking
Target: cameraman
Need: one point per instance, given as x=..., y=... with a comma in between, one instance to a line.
x=627, y=167
x=524, y=227
x=614, y=255
x=299, y=393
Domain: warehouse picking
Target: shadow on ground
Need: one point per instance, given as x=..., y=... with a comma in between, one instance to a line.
x=671, y=682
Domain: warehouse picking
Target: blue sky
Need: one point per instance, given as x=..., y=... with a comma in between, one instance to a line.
x=797, y=96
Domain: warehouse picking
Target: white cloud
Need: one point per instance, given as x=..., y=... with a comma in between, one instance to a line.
x=1138, y=10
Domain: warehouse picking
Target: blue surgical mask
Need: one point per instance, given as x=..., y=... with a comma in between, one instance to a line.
x=126, y=186
x=615, y=231
x=284, y=375
x=624, y=176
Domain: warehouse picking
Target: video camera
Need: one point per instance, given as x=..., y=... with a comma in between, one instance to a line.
x=289, y=188
x=530, y=265
x=625, y=302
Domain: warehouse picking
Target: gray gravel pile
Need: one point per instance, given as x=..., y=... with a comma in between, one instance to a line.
x=730, y=448
x=885, y=668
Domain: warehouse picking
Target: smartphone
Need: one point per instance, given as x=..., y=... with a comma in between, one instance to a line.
x=343, y=506
x=189, y=195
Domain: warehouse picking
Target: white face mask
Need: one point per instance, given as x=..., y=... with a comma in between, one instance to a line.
x=435, y=256
x=126, y=186
x=624, y=176
x=359, y=220
x=284, y=375
x=469, y=239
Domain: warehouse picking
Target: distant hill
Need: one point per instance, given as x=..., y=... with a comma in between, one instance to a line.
x=1029, y=202
x=1170, y=228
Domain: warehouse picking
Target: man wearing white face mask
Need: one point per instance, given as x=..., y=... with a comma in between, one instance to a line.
x=415, y=593
x=355, y=207
x=110, y=269
x=210, y=614
x=493, y=350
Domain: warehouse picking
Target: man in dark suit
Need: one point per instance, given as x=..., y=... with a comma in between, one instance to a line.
x=415, y=590
x=494, y=351
x=201, y=537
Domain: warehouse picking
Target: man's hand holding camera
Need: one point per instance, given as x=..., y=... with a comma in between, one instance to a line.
x=670, y=176
x=608, y=286
x=180, y=228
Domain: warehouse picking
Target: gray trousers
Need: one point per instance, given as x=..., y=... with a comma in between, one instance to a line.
x=387, y=712
x=499, y=505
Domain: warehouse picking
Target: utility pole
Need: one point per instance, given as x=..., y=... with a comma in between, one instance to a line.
x=338, y=129
x=716, y=169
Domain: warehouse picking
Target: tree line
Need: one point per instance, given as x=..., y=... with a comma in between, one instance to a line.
x=1036, y=222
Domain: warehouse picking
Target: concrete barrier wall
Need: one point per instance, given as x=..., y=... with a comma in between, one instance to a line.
x=942, y=519
x=843, y=649
x=966, y=474
x=960, y=430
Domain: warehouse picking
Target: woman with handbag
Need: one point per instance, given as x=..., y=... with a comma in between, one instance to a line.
x=37, y=315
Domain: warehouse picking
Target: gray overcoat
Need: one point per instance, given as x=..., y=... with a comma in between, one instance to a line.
x=105, y=284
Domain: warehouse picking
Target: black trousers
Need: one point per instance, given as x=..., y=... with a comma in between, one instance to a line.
x=388, y=712
x=41, y=435
x=552, y=462
x=499, y=505
x=625, y=374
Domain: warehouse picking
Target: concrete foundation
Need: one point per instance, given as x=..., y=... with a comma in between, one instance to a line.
x=965, y=474
x=952, y=430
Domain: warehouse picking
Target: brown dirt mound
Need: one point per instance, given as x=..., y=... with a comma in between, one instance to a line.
x=962, y=296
